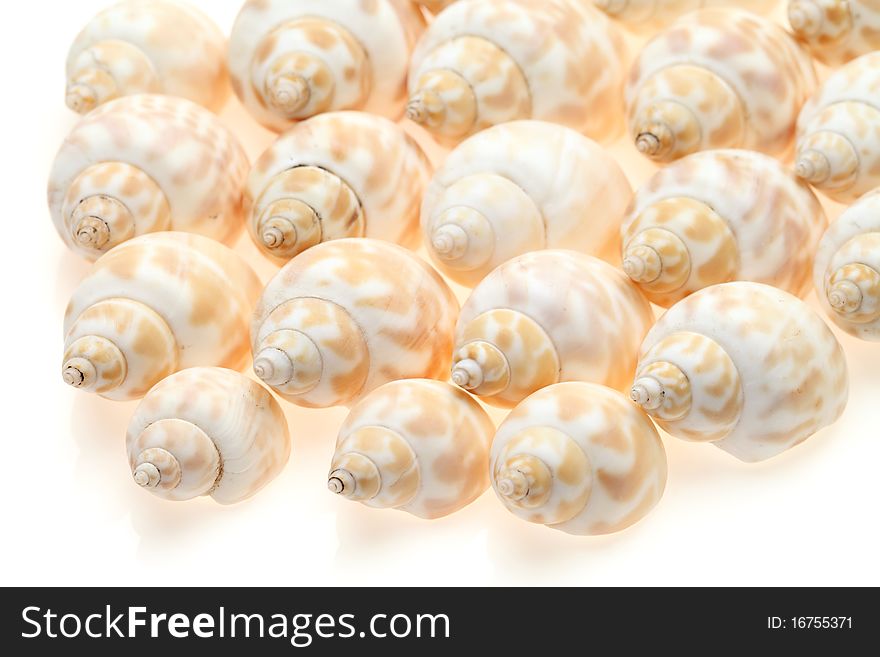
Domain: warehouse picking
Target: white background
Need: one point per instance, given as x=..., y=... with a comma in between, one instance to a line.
x=72, y=515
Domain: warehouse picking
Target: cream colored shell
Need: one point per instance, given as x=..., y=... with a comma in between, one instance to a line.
x=142, y=164
x=485, y=62
x=292, y=59
x=717, y=216
x=846, y=274
x=836, y=31
x=417, y=445
x=717, y=78
x=347, y=316
x=580, y=458
x=520, y=187
x=838, y=146
x=342, y=174
x=434, y=6
x=743, y=365
x=645, y=15
x=207, y=431
x=154, y=305
x=148, y=46
x=546, y=317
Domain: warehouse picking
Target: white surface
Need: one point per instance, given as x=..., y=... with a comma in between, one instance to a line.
x=71, y=515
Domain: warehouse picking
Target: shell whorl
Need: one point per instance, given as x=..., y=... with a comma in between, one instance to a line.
x=108, y=70
x=418, y=445
x=351, y=315
x=544, y=317
x=835, y=31
x=755, y=384
x=207, y=431
x=580, y=458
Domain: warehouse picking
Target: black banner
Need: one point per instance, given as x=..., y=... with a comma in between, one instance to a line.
x=436, y=621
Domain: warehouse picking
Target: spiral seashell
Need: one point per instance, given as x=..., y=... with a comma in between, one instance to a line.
x=343, y=174
x=207, y=431
x=520, y=187
x=292, y=59
x=418, y=445
x=580, y=458
x=836, y=31
x=485, y=62
x=147, y=46
x=745, y=366
x=154, y=305
x=347, y=316
x=718, y=216
x=647, y=15
x=838, y=145
x=846, y=274
x=717, y=78
x=143, y=164
x=546, y=317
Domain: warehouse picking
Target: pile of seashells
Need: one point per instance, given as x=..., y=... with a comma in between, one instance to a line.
x=563, y=259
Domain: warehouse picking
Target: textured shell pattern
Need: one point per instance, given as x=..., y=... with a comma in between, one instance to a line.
x=578, y=191
x=400, y=307
x=654, y=14
x=783, y=366
x=775, y=221
x=201, y=290
x=836, y=31
x=386, y=30
x=196, y=162
x=186, y=51
x=847, y=105
x=570, y=55
x=851, y=247
x=448, y=432
x=384, y=167
x=574, y=317
x=242, y=419
x=625, y=461
x=767, y=71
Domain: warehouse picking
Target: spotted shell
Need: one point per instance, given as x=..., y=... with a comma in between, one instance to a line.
x=434, y=6
x=838, y=145
x=207, y=431
x=745, y=366
x=717, y=216
x=148, y=46
x=846, y=274
x=485, y=62
x=580, y=458
x=342, y=174
x=717, y=78
x=292, y=59
x=142, y=164
x=546, y=317
x=836, y=31
x=417, y=445
x=520, y=187
x=154, y=305
x=645, y=15
x=347, y=316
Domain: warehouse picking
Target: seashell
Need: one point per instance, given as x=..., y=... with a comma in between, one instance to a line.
x=646, y=15
x=147, y=46
x=343, y=174
x=838, y=145
x=207, y=431
x=434, y=6
x=417, y=445
x=546, y=317
x=143, y=164
x=836, y=31
x=292, y=59
x=580, y=458
x=846, y=274
x=520, y=187
x=718, y=216
x=154, y=305
x=485, y=62
x=347, y=316
x=717, y=78
x=745, y=366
